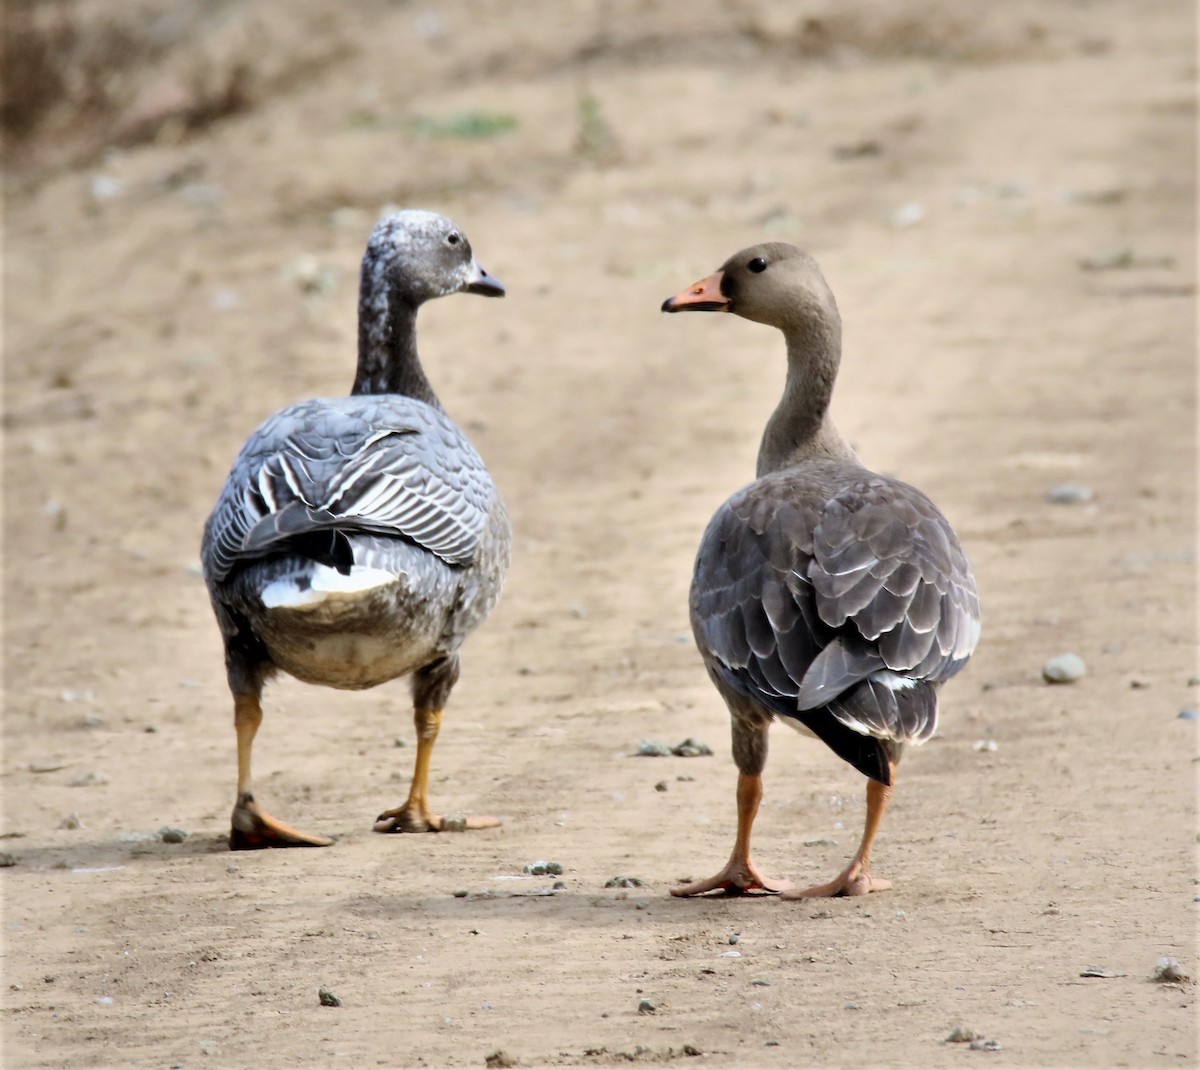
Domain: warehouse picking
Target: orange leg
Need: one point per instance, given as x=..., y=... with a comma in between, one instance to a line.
x=739, y=874
x=252, y=829
x=856, y=878
x=415, y=815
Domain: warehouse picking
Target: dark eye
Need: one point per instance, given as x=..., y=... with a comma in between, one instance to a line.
x=757, y=265
x=451, y=239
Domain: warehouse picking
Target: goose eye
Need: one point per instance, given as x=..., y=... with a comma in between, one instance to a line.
x=757, y=265
x=452, y=239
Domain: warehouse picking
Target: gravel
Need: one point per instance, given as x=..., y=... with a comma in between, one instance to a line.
x=1064, y=669
x=1070, y=494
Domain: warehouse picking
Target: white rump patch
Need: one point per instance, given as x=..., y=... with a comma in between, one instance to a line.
x=892, y=681
x=326, y=583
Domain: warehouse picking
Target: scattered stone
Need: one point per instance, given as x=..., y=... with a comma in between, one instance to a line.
x=692, y=748
x=734, y=937
x=1070, y=494
x=539, y=869
x=1168, y=971
x=986, y=1045
x=1101, y=971
x=1064, y=669
x=624, y=882
x=960, y=1034
x=652, y=748
x=104, y=1001
x=71, y=821
x=908, y=215
x=47, y=767
x=647, y=1006
x=398, y=742
x=1188, y=714
x=86, y=780
x=558, y=886
x=661, y=786
x=851, y=1006
x=6, y=860
x=1193, y=681
x=500, y=1060
x=731, y=954
x=985, y=745
x=461, y=893
x=328, y=998
x=1139, y=683
x=820, y=843
x=858, y=150
x=171, y=835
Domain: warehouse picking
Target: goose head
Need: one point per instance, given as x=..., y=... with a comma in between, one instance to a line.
x=772, y=283
x=419, y=255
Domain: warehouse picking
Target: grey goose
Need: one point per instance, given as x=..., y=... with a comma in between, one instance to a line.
x=823, y=594
x=360, y=539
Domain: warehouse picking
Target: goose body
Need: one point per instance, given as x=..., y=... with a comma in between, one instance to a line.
x=361, y=539
x=833, y=598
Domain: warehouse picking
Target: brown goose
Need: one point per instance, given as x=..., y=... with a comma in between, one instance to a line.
x=824, y=594
x=361, y=539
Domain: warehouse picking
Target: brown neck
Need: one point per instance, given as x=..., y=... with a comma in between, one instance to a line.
x=387, y=345
x=801, y=428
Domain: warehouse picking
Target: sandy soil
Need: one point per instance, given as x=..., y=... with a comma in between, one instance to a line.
x=1004, y=205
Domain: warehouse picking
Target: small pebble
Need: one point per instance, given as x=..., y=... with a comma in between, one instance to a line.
x=1188, y=714
x=985, y=745
x=86, y=780
x=761, y=983
x=461, y=893
x=6, y=860
x=624, y=882
x=851, y=1006
x=539, y=869
x=647, y=1006
x=71, y=821
x=454, y=824
x=960, y=1034
x=661, y=786
x=731, y=954
x=1070, y=494
x=734, y=937
x=692, y=748
x=771, y=1044
x=820, y=843
x=1064, y=669
x=1099, y=971
x=652, y=748
x=908, y=215
x=500, y=1060
x=558, y=886
x=1193, y=681
x=171, y=835
x=1167, y=970
x=328, y=998
x=985, y=1045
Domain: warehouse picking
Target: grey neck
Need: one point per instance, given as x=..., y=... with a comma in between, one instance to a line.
x=801, y=429
x=387, y=345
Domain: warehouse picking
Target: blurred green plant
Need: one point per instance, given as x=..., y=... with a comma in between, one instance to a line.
x=596, y=140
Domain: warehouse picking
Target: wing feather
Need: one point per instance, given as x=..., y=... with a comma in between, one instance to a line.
x=384, y=465
x=836, y=589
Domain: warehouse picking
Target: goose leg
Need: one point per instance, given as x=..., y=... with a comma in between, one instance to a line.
x=251, y=829
x=431, y=689
x=856, y=878
x=740, y=874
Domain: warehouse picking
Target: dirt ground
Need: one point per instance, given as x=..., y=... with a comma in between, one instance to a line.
x=1002, y=198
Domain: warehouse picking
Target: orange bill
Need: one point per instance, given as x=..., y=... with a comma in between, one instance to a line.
x=702, y=296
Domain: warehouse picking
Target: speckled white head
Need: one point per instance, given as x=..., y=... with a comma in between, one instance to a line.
x=417, y=255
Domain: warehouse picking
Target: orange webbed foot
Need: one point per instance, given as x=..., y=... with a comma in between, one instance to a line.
x=854, y=880
x=410, y=818
x=252, y=830
x=739, y=877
